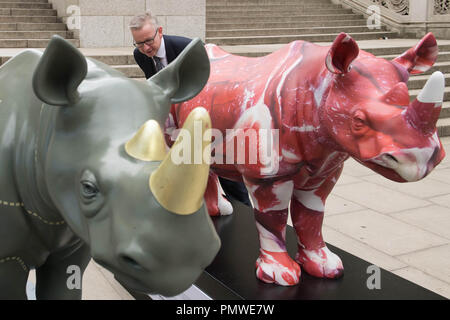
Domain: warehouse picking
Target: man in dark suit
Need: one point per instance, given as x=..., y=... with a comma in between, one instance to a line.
x=153, y=52
x=151, y=45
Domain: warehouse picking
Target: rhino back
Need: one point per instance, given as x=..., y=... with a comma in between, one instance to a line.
x=17, y=100
x=28, y=231
x=19, y=108
x=16, y=92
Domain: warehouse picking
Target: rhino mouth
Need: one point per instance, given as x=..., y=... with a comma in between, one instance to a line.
x=405, y=166
x=383, y=169
x=125, y=280
x=152, y=282
x=131, y=283
x=387, y=160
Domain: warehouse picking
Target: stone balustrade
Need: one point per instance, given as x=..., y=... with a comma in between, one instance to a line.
x=409, y=17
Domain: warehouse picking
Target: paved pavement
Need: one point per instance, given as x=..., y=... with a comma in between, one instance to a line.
x=403, y=228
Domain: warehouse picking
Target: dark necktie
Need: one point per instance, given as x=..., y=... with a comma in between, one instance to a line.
x=158, y=64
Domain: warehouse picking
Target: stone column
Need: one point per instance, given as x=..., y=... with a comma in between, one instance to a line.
x=186, y=17
x=418, y=10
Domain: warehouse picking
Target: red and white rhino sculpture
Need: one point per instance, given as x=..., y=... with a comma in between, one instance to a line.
x=327, y=103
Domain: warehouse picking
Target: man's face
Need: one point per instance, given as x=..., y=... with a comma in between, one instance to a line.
x=147, y=32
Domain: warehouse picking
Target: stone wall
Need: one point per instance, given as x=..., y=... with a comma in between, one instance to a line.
x=104, y=23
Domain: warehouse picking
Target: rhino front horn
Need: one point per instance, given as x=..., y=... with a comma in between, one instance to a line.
x=180, y=181
x=424, y=111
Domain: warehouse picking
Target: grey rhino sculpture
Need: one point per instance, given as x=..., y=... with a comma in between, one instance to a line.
x=76, y=180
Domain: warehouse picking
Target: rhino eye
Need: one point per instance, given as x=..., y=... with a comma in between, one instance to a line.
x=359, y=122
x=88, y=189
x=88, y=185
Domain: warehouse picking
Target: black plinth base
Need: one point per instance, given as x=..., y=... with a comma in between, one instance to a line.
x=232, y=274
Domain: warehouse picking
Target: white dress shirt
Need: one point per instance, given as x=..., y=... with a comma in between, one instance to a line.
x=161, y=53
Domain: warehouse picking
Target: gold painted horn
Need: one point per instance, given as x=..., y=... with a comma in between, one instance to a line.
x=179, y=184
x=148, y=143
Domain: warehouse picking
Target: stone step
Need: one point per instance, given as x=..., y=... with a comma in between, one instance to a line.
x=27, y=12
x=445, y=111
x=281, y=12
x=31, y=43
x=112, y=60
x=131, y=71
x=29, y=19
x=26, y=5
x=15, y=1
x=397, y=50
x=282, y=24
x=277, y=18
x=116, y=60
x=285, y=31
x=32, y=26
x=442, y=57
x=443, y=126
x=263, y=2
x=390, y=52
x=443, y=67
x=270, y=6
x=417, y=82
x=34, y=34
x=289, y=38
x=414, y=93
x=261, y=50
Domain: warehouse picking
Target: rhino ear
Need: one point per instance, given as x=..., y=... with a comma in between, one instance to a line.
x=59, y=72
x=186, y=76
x=341, y=54
x=421, y=57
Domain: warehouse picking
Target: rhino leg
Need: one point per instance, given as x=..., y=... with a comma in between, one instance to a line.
x=216, y=203
x=307, y=212
x=56, y=279
x=13, y=279
x=271, y=200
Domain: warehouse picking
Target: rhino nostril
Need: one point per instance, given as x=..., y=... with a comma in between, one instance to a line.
x=391, y=157
x=131, y=262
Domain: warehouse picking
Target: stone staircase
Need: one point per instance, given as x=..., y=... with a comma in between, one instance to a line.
x=30, y=24
x=261, y=24
x=237, y=22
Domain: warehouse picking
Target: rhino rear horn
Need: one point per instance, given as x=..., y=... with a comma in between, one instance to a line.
x=186, y=76
x=342, y=53
x=59, y=72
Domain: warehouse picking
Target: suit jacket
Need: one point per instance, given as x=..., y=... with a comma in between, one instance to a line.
x=174, y=45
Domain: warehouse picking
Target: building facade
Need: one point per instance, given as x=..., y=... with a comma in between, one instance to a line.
x=104, y=23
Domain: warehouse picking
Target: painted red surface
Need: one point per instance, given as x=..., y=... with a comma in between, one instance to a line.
x=328, y=104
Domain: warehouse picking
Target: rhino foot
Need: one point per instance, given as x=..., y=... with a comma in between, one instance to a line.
x=216, y=203
x=278, y=268
x=225, y=207
x=220, y=207
x=321, y=263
